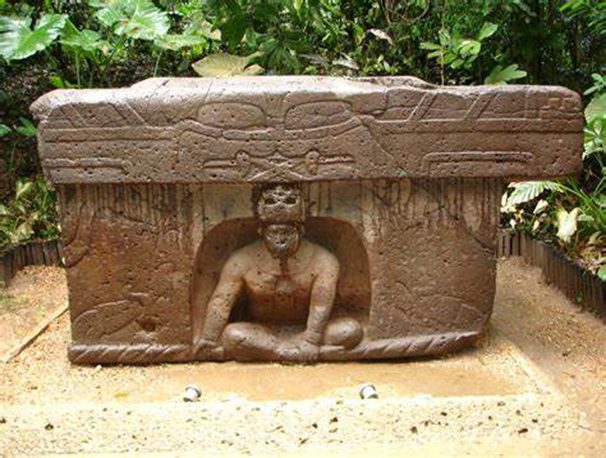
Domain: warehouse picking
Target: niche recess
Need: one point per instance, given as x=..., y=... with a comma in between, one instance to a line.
x=338, y=236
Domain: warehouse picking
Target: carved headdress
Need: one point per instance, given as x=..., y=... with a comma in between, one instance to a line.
x=279, y=204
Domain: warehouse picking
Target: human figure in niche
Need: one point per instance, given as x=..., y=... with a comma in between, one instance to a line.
x=289, y=285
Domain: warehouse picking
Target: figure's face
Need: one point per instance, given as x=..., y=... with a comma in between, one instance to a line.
x=281, y=240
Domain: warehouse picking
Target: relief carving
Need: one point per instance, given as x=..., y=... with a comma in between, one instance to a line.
x=276, y=166
x=222, y=131
x=287, y=284
x=290, y=218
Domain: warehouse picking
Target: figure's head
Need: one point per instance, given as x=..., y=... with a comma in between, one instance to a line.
x=281, y=215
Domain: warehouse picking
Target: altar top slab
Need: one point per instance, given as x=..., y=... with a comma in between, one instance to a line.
x=304, y=128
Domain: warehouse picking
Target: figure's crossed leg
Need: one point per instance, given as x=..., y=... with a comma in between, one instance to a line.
x=247, y=341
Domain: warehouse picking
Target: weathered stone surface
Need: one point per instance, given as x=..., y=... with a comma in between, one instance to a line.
x=290, y=218
x=273, y=129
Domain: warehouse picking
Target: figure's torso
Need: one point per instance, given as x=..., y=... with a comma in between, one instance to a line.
x=272, y=297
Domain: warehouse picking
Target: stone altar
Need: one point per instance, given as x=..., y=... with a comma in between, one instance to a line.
x=290, y=218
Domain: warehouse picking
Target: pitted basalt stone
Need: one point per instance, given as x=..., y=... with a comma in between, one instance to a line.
x=274, y=129
x=290, y=218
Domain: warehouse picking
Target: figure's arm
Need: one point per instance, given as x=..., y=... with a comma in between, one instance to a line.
x=322, y=298
x=222, y=301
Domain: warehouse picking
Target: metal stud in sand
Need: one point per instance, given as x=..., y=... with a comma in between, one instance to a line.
x=368, y=391
x=192, y=393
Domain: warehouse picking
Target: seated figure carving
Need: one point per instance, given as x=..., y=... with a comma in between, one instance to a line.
x=288, y=285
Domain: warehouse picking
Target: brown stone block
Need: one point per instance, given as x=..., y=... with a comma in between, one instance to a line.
x=290, y=218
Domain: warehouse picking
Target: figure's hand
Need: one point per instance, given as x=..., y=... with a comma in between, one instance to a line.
x=206, y=347
x=303, y=350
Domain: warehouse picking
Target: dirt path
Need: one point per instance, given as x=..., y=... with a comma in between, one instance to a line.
x=567, y=344
x=35, y=298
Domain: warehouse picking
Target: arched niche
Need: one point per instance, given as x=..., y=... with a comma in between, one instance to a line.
x=338, y=236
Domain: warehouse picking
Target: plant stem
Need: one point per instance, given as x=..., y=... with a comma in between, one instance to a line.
x=111, y=57
x=78, y=70
x=443, y=22
x=158, y=62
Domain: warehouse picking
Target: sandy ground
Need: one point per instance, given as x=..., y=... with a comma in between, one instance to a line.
x=26, y=305
x=568, y=345
x=534, y=387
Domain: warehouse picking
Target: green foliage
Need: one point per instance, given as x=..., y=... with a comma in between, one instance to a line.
x=19, y=41
x=4, y=130
x=136, y=19
x=500, y=75
x=599, y=84
x=223, y=65
x=591, y=11
x=85, y=41
x=526, y=191
x=572, y=213
x=467, y=41
x=30, y=214
x=456, y=51
x=595, y=137
x=26, y=127
x=174, y=42
x=595, y=108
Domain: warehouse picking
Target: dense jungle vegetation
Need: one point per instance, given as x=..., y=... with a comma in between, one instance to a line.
x=50, y=44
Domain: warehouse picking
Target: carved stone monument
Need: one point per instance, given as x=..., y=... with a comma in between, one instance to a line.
x=290, y=218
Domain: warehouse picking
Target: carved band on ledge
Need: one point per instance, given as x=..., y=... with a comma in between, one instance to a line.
x=428, y=345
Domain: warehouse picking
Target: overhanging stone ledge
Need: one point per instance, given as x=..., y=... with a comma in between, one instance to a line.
x=286, y=128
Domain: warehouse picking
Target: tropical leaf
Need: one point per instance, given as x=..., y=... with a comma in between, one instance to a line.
x=381, y=35
x=138, y=19
x=487, y=30
x=18, y=41
x=470, y=48
x=526, y=191
x=22, y=232
x=174, y=42
x=201, y=27
x=4, y=130
x=599, y=84
x=541, y=206
x=430, y=45
x=567, y=223
x=316, y=59
x=26, y=128
x=602, y=273
x=500, y=75
x=60, y=83
x=83, y=40
x=253, y=70
x=347, y=62
x=595, y=108
x=22, y=188
x=595, y=135
x=224, y=65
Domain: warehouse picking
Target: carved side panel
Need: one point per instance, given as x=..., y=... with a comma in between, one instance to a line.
x=431, y=248
x=128, y=257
